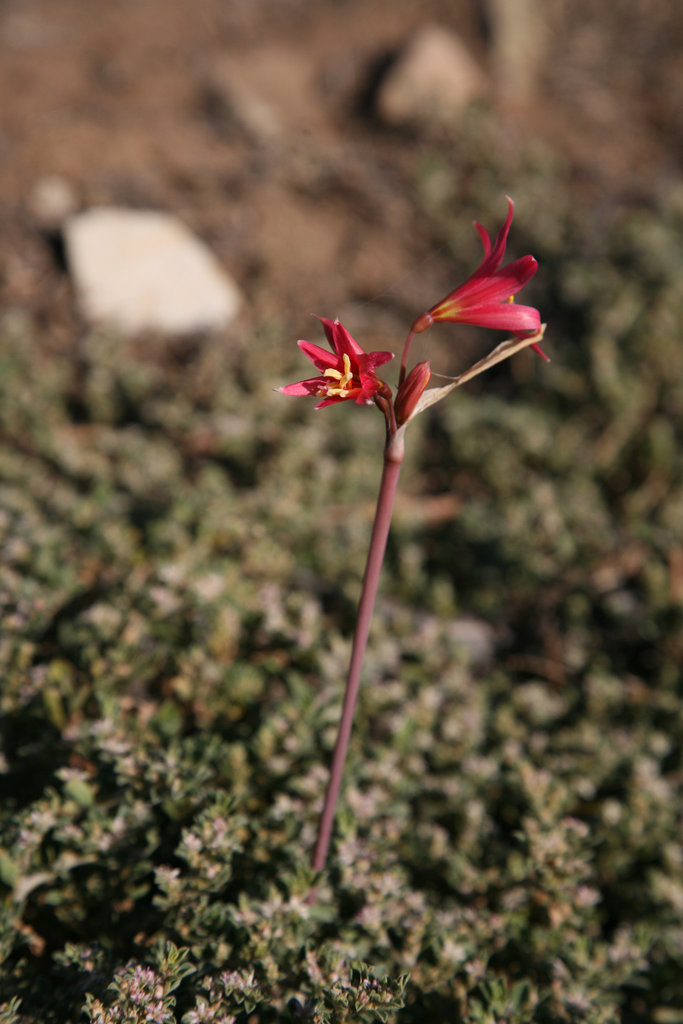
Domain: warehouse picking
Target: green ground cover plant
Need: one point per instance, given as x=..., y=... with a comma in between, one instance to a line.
x=177, y=600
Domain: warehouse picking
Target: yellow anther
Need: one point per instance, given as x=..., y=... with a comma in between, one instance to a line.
x=343, y=379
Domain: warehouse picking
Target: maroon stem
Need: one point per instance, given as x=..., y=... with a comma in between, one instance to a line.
x=393, y=457
x=404, y=357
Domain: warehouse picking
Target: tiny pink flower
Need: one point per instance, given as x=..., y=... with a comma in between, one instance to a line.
x=347, y=372
x=486, y=298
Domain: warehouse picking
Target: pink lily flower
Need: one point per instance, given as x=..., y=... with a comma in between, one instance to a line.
x=486, y=298
x=347, y=372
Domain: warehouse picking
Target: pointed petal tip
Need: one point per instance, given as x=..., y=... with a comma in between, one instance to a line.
x=539, y=351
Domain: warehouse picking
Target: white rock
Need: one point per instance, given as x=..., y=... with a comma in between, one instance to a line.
x=432, y=80
x=141, y=270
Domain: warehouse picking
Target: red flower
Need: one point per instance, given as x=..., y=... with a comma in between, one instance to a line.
x=486, y=298
x=346, y=373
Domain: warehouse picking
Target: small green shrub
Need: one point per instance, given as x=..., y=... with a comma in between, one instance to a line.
x=176, y=600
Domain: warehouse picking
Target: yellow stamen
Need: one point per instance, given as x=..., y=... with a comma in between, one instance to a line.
x=343, y=379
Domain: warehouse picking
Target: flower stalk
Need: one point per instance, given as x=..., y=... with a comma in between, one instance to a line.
x=348, y=373
x=393, y=458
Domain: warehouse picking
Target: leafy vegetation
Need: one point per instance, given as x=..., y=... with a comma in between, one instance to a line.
x=182, y=551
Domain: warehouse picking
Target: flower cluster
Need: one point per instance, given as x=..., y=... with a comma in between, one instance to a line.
x=485, y=299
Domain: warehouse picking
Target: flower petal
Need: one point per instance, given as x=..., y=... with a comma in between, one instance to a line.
x=493, y=257
x=485, y=239
x=339, y=338
x=502, y=316
x=335, y=399
x=371, y=360
x=311, y=386
x=320, y=357
x=497, y=287
x=537, y=348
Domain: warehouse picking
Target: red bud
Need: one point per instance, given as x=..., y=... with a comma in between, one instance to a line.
x=410, y=391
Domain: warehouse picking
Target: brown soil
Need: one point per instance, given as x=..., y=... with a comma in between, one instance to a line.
x=304, y=197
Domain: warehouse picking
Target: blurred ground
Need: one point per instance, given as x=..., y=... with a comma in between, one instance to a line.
x=307, y=200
